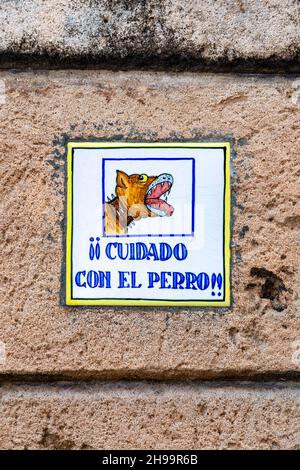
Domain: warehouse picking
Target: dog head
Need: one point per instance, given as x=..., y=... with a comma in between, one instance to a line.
x=143, y=195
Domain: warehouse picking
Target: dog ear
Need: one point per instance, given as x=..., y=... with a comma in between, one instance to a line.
x=122, y=179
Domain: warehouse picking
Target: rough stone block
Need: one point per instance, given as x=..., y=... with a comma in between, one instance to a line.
x=195, y=33
x=149, y=416
x=259, y=334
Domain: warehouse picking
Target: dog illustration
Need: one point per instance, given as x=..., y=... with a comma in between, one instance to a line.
x=137, y=196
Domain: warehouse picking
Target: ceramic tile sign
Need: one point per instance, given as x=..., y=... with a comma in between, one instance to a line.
x=148, y=224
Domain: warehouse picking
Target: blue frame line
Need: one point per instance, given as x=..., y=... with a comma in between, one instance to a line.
x=149, y=234
x=193, y=195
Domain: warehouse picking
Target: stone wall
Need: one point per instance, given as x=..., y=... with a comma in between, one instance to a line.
x=198, y=33
x=66, y=372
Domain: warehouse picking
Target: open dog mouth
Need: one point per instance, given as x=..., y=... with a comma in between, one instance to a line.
x=157, y=195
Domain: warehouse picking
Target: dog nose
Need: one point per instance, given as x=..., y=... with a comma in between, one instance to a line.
x=167, y=177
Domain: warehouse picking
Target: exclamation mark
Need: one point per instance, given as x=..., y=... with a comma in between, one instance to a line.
x=92, y=249
x=219, y=282
x=213, y=283
x=216, y=279
x=97, y=251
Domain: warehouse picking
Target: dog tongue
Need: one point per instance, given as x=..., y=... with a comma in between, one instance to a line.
x=161, y=205
x=159, y=189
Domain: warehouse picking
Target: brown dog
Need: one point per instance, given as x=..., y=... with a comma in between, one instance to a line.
x=137, y=196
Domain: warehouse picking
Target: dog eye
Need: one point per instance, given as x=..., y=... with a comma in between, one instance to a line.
x=143, y=178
